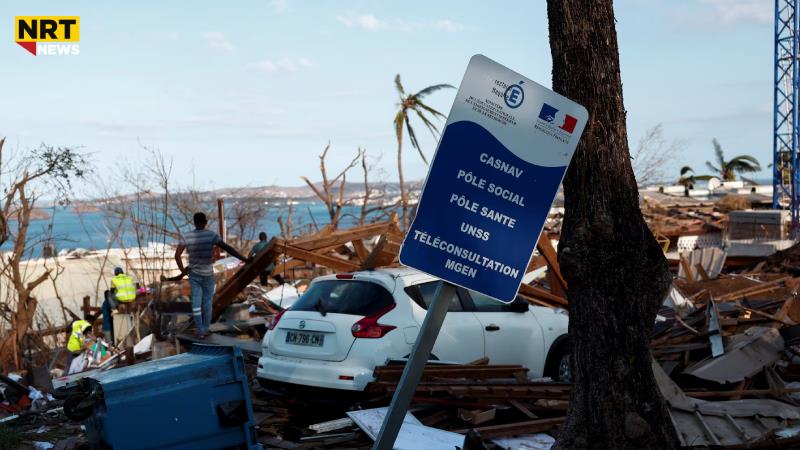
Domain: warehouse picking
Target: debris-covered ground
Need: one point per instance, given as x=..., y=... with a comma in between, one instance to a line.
x=726, y=349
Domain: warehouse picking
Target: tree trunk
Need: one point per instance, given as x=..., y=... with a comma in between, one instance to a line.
x=23, y=318
x=403, y=201
x=616, y=272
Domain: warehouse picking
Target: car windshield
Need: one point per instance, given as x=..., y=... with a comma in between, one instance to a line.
x=344, y=297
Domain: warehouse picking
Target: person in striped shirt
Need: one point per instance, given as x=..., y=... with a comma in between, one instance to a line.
x=200, y=244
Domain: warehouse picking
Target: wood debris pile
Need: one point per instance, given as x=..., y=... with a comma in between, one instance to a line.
x=726, y=347
x=491, y=401
x=729, y=346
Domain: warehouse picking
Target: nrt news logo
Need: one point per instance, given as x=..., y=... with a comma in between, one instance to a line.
x=48, y=35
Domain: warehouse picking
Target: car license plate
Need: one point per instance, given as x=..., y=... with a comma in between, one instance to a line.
x=303, y=338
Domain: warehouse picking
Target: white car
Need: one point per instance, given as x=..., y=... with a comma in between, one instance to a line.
x=346, y=324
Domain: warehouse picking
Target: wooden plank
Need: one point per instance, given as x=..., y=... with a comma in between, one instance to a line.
x=340, y=237
x=555, y=285
x=436, y=418
x=765, y=315
x=332, y=262
x=521, y=408
x=687, y=269
x=385, y=259
x=391, y=247
x=371, y=260
x=742, y=393
x=535, y=292
x=361, y=249
x=476, y=417
x=536, y=262
x=537, y=302
x=511, y=429
x=702, y=272
x=758, y=267
x=546, y=249
x=460, y=371
x=340, y=249
x=790, y=310
x=450, y=367
x=686, y=325
x=394, y=230
x=227, y=293
x=281, y=269
x=479, y=362
x=753, y=290
x=326, y=230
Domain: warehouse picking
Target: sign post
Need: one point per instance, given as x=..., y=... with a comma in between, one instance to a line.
x=407, y=385
x=505, y=148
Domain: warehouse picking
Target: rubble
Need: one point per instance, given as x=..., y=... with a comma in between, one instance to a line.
x=726, y=349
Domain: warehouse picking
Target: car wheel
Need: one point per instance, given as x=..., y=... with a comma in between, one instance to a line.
x=558, y=366
x=564, y=369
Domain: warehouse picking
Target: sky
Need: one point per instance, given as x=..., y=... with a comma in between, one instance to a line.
x=248, y=93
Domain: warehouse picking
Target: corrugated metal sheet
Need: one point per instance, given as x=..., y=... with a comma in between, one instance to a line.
x=746, y=354
x=735, y=422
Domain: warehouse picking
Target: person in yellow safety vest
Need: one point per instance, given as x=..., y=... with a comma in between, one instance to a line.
x=123, y=290
x=123, y=286
x=79, y=339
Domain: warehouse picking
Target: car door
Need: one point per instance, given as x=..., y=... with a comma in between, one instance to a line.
x=461, y=337
x=512, y=335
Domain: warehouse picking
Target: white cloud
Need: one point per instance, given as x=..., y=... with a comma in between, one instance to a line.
x=282, y=65
x=217, y=41
x=738, y=11
x=369, y=22
x=279, y=6
x=448, y=25
x=716, y=13
x=364, y=21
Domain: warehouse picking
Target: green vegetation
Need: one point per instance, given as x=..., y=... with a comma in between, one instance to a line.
x=688, y=177
x=727, y=170
x=412, y=103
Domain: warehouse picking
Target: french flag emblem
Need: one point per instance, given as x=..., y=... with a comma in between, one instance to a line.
x=554, y=116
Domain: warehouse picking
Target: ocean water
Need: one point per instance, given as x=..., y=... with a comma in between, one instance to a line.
x=93, y=230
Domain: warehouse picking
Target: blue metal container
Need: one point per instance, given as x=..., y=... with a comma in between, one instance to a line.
x=192, y=401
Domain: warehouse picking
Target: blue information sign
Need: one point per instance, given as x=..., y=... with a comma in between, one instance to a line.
x=504, y=151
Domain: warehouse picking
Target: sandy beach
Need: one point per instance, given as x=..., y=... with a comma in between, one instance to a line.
x=80, y=273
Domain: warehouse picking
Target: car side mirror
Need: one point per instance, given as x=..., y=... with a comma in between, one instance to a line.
x=519, y=305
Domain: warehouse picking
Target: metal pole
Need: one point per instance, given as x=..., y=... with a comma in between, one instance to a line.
x=795, y=116
x=777, y=164
x=413, y=370
x=223, y=228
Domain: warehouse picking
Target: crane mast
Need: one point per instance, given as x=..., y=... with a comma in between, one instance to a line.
x=785, y=174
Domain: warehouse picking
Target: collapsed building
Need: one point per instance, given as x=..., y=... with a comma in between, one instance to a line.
x=724, y=345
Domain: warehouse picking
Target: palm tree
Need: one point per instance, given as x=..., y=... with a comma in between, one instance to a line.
x=688, y=177
x=728, y=169
x=409, y=103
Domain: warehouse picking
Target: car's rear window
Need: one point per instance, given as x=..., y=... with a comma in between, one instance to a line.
x=423, y=294
x=360, y=298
